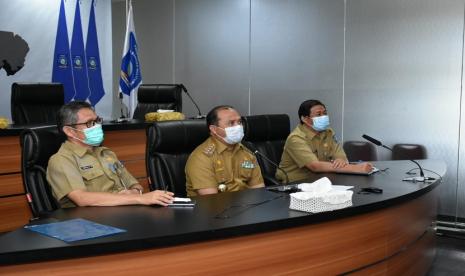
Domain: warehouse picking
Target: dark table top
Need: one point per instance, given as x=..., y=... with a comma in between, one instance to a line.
x=247, y=212
x=15, y=130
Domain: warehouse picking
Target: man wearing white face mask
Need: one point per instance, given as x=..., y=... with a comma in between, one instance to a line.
x=83, y=173
x=312, y=147
x=222, y=163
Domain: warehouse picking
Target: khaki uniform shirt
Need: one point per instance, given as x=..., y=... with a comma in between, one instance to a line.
x=213, y=163
x=304, y=146
x=75, y=167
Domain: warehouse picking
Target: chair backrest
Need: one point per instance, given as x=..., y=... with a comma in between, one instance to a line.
x=37, y=146
x=408, y=151
x=360, y=151
x=151, y=97
x=267, y=134
x=169, y=144
x=36, y=103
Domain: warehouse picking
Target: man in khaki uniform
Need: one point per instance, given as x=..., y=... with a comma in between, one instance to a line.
x=312, y=147
x=222, y=163
x=82, y=173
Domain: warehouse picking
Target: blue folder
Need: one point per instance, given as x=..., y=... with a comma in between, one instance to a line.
x=74, y=230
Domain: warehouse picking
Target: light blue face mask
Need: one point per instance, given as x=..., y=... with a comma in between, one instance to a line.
x=94, y=135
x=320, y=123
x=234, y=134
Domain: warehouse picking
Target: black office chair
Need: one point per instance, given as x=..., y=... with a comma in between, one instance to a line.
x=151, y=97
x=267, y=134
x=37, y=146
x=408, y=151
x=169, y=144
x=360, y=151
x=36, y=103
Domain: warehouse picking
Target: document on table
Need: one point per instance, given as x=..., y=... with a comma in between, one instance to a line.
x=74, y=230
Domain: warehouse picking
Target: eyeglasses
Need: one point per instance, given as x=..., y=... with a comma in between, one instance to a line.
x=90, y=123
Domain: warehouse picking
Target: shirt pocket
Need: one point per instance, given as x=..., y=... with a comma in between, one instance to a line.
x=92, y=175
x=245, y=173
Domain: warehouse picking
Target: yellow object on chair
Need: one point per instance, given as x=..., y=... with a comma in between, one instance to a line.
x=163, y=116
x=3, y=122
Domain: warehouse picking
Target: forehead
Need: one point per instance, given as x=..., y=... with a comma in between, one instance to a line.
x=317, y=108
x=228, y=114
x=86, y=113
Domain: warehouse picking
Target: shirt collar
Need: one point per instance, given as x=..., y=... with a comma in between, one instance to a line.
x=80, y=150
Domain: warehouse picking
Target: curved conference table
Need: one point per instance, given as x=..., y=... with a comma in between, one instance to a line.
x=249, y=232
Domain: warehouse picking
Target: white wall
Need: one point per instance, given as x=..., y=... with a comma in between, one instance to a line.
x=36, y=22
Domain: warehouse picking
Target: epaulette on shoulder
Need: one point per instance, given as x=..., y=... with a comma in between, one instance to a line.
x=209, y=149
x=246, y=149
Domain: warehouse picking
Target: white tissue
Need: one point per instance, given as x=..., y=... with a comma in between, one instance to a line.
x=321, y=185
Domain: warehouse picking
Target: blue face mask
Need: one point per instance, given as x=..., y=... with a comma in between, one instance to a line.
x=320, y=123
x=94, y=135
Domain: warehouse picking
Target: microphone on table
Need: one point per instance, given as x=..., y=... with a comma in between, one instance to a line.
x=278, y=188
x=420, y=178
x=199, y=116
x=122, y=118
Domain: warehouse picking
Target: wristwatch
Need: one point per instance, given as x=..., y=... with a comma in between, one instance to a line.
x=136, y=188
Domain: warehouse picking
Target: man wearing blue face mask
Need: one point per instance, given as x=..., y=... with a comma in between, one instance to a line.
x=83, y=173
x=222, y=163
x=312, y=147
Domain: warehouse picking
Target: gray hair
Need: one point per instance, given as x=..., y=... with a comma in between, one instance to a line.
x=67, y=114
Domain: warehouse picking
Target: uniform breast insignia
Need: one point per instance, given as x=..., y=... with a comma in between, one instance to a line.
x=87, y=167
x=325, y=145
x=247, y=164
x=209, y=150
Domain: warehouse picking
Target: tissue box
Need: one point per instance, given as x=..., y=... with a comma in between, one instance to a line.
x=320, y=202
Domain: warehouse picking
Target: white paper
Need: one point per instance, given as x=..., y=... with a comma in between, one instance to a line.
x=341, y=187
x=182, y=199
x=165, y=110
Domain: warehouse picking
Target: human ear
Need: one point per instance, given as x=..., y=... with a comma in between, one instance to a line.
x=68, y=131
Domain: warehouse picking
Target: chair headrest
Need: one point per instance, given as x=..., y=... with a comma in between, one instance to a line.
x=266, y=127
x=176, y=136
x=37, y=93
x=39, y=144
x=159, y=93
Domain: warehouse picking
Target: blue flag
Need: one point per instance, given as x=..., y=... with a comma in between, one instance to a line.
x=81, y=82
x=94, y=71
x=61, y=58
x=130, y=77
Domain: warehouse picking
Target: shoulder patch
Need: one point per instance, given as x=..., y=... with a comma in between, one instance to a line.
x=209, y=150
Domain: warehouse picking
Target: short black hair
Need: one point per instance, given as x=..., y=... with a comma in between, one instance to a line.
x=212, y=116
x=304, y=109
x=67, y=114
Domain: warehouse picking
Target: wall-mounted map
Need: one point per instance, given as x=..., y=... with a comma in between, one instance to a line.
x=13, y=51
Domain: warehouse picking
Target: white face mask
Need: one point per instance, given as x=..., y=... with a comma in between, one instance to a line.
x=234, y=134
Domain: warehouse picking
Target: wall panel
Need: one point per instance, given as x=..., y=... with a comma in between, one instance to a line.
x=403, y=78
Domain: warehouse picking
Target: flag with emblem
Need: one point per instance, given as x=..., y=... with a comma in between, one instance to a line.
x=130, y=77
x=93, y=60
x=61, y=72
x=78, y=59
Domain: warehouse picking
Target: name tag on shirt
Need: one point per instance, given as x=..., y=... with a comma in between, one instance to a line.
x=86, y=167
x=247, y=165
